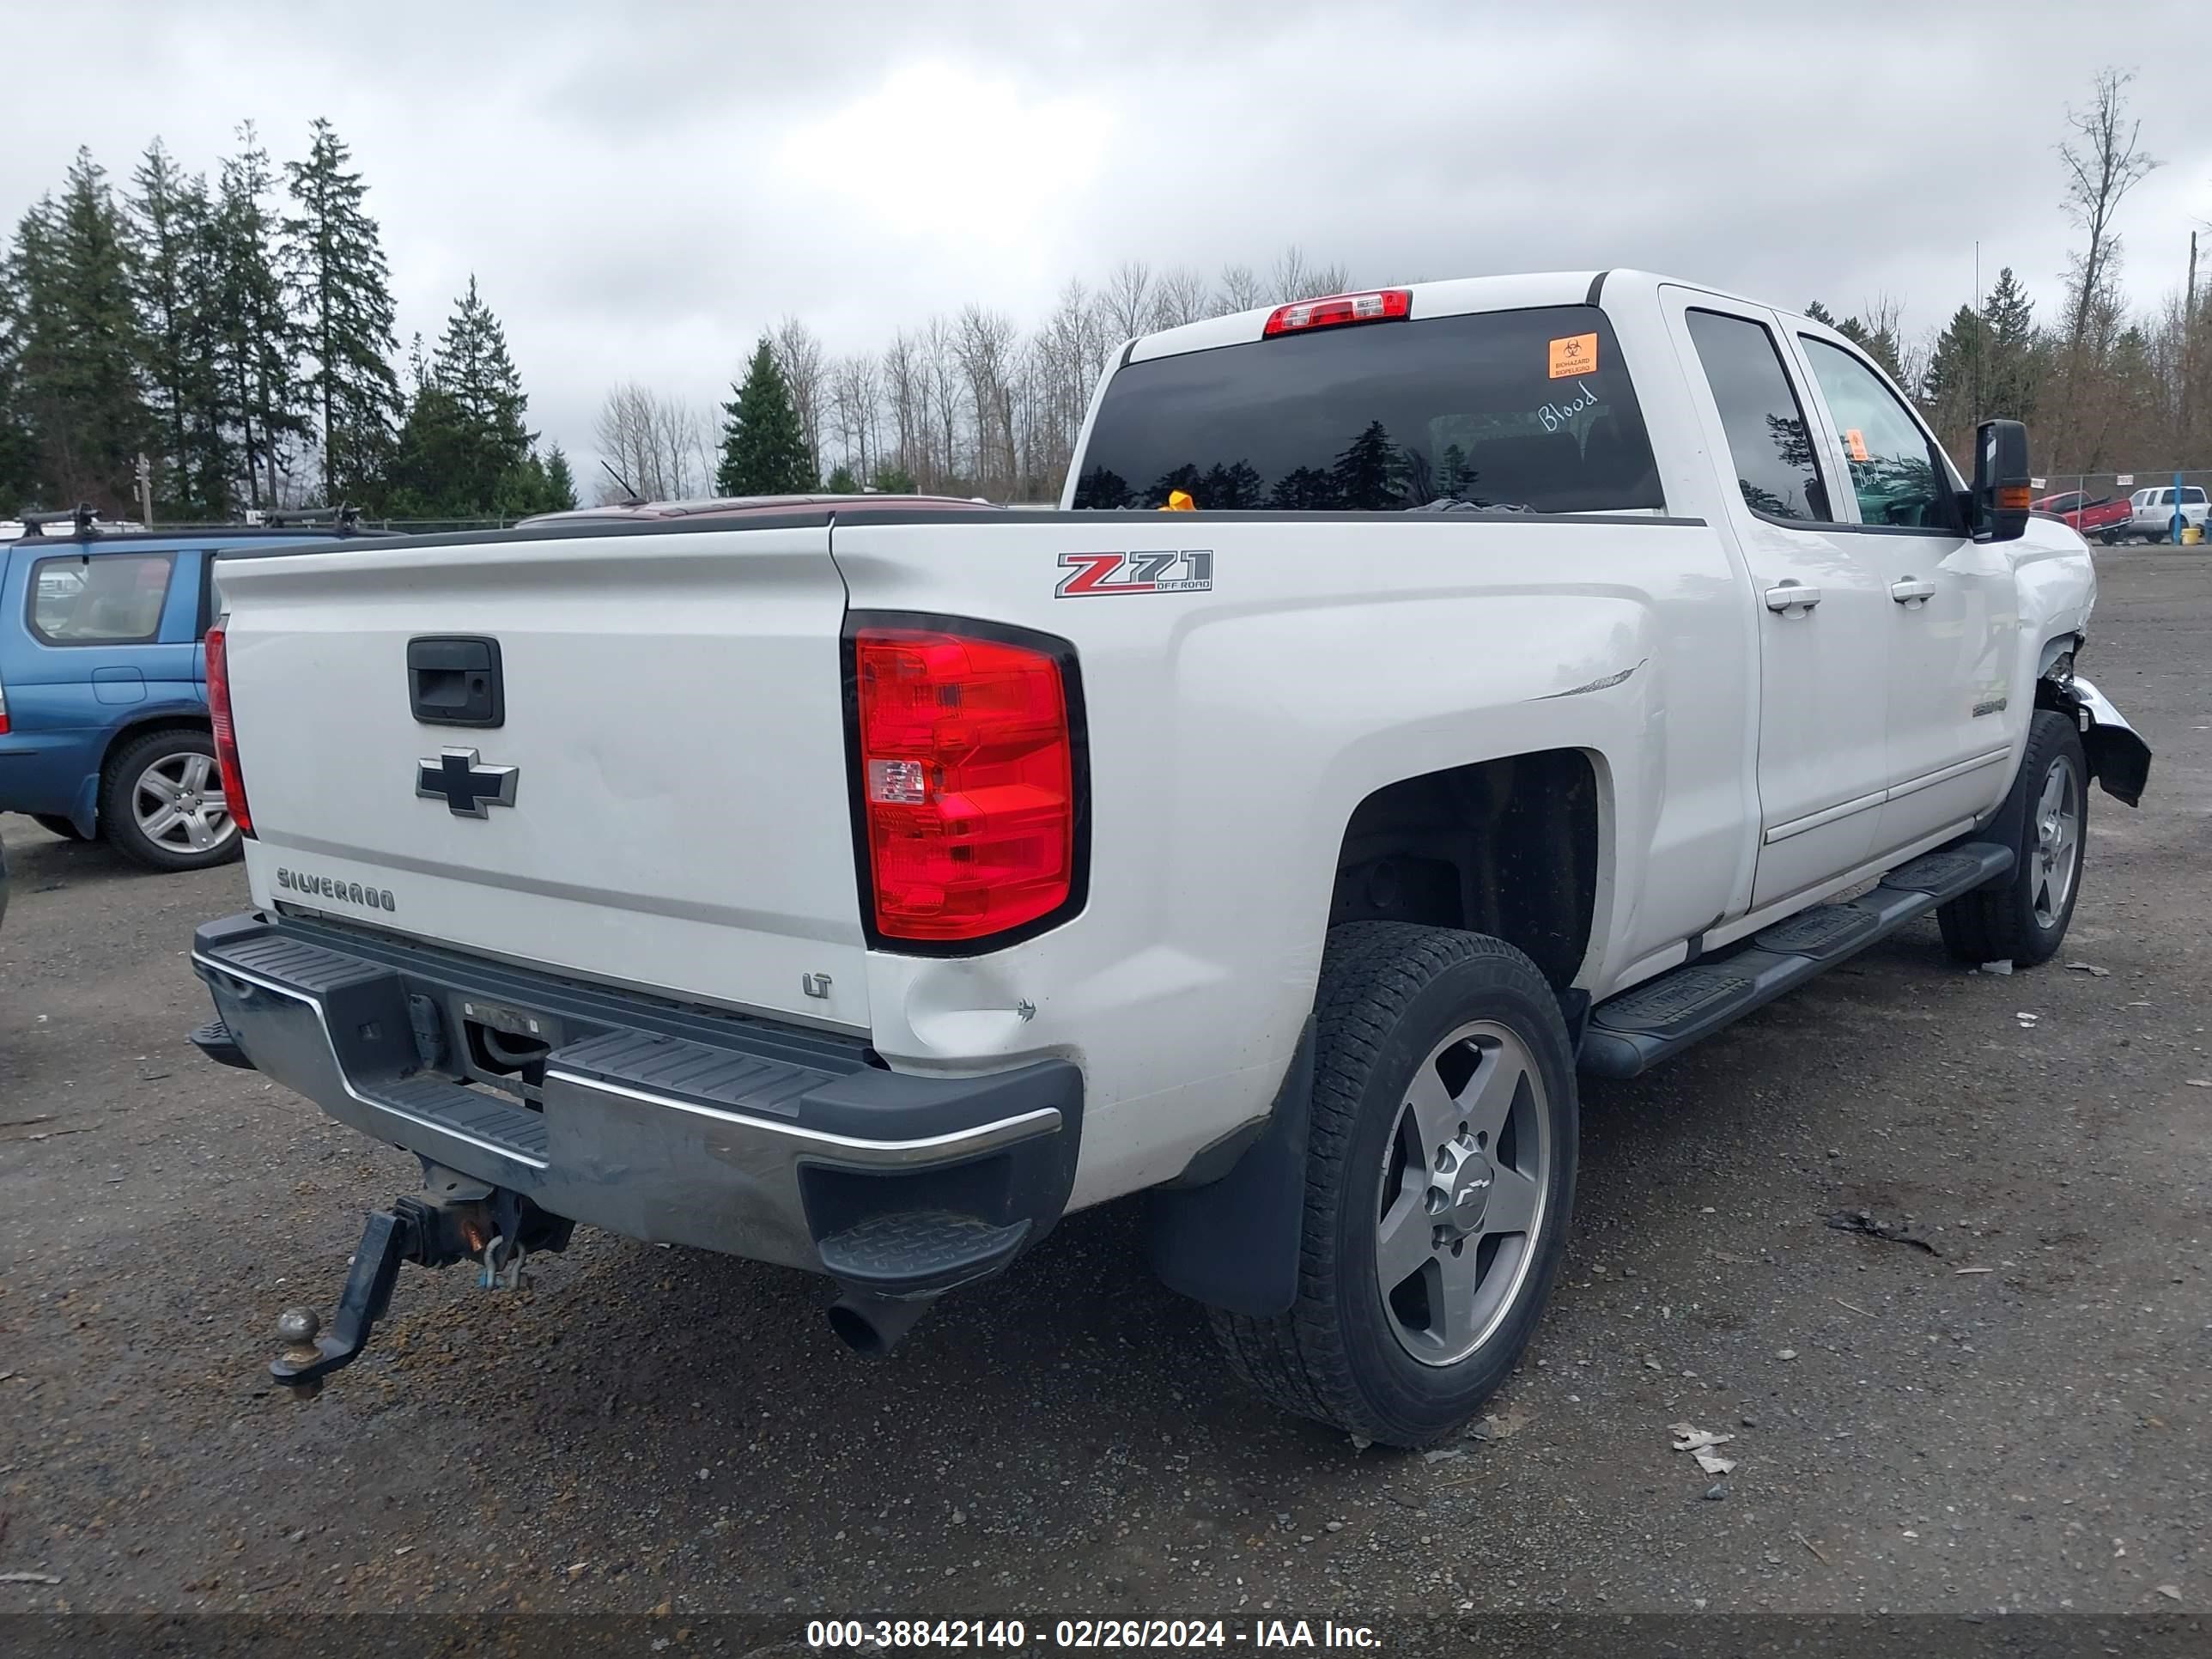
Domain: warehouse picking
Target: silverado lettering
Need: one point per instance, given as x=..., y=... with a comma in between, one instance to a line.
x=352, y=892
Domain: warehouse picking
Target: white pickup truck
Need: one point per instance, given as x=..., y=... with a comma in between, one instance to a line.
x=1552, y=669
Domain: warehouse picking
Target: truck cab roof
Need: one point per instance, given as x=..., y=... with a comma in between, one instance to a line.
x=1455, y=296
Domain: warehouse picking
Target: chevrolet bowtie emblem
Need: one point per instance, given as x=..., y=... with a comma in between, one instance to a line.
x=468, y=789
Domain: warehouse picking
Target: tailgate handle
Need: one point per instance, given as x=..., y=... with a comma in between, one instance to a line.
x=454, y=680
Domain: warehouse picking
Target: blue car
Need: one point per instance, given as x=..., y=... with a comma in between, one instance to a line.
x=103, y=685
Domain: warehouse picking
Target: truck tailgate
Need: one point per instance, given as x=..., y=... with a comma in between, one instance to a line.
x=673, y=711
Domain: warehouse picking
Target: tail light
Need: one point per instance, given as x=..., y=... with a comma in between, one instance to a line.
x=225, y=738
x=968, y=762
x=1380, y=305
x=4, y=711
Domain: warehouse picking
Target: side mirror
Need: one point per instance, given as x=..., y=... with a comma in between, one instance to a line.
x=1998, y=510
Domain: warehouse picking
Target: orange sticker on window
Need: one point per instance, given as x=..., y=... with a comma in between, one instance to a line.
x=1575, y=354
x=1854, y=442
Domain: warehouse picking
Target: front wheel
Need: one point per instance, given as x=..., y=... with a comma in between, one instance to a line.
x=1440, y=1174
x=2024, y=920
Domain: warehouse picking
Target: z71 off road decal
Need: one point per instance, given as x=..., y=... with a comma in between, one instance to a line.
x=1088, y=573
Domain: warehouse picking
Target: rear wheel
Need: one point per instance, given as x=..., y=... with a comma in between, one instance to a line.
x=162, y=803
x=54, y=824
x=2024, y=920
x=1439, y=1183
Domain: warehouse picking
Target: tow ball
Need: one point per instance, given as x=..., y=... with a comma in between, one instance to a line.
x=452, y=1219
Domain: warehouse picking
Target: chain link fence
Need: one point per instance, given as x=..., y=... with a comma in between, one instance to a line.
x=2099, y=486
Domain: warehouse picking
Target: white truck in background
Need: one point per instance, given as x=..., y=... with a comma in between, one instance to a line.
x=2156, y=511
x=862, y=885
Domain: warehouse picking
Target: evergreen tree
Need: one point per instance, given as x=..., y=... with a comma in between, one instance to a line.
x=841, y=482
x=560, y=482
x=1366, y=474
x=171, y=226
x=764, y=448
x=1955, y=364
x=463, y=451
x=2011, y=374
x=430, y=473
x=896, y=480
x=18, y=445
x=339, y=284
x=256, y=342
x=77, y=347
x=473, y=366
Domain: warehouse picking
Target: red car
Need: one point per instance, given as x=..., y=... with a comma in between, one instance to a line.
x=2104, y=520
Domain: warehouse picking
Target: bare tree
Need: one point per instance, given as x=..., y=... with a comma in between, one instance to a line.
x=1179, y=297
x=798, y=354
x=1332, y=279
x=905, y=384
x=2104, y=160
x=1240, y=291
x=984, y=345
x=1126, y=301
x=662, y=446
x=855, y=401
x=941, y=369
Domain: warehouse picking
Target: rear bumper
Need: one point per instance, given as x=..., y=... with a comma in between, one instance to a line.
x=663, y=1122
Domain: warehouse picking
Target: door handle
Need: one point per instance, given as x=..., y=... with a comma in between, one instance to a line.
x=1912, y=592
x=1792, y=595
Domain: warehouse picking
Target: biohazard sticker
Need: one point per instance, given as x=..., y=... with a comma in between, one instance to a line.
x=1576, y=354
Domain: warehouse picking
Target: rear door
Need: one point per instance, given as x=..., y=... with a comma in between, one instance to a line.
x=660, y=798
x=1824, y=620
x=89, y=640
x=1953, y=609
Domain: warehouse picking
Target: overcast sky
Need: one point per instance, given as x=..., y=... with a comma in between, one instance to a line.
x=640, y=189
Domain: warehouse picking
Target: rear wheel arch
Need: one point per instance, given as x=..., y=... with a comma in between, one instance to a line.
x=142, y=726
x=1512, y=848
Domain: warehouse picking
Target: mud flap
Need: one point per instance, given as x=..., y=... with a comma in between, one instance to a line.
x=1233, y=1243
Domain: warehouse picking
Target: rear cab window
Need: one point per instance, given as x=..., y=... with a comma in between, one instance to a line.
x=1530, y=409
x=111, y=599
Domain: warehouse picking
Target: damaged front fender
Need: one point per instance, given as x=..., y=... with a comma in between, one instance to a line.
x=2119, y=758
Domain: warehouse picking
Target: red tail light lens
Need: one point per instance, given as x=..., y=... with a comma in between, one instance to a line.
x=1380, y=305
x=968, y=762
x=226, y=739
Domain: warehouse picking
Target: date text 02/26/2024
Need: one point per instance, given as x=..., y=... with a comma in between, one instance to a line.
x=1074, y=1634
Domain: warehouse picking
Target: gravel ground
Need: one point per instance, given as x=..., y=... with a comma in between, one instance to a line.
x=2013, y=1419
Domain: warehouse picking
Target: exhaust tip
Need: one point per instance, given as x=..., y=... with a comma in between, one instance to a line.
x=873, y=1325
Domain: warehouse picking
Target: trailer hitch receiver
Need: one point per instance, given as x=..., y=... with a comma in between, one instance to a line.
x=455, y=1218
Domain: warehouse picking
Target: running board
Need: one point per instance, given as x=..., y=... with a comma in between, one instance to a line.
x=1634, y=1031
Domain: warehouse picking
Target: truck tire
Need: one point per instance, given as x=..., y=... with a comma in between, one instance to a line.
x=161, y=802
x=54, y=824
x=2023, y=921
x=1440, y=1176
